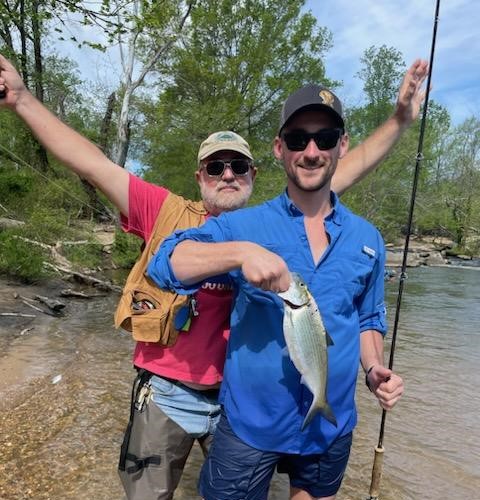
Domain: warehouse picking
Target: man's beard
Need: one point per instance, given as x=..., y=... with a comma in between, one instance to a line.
x=216, y=201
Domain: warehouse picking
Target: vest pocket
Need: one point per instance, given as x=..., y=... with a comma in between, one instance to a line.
x=151, y=326
x=150, y=318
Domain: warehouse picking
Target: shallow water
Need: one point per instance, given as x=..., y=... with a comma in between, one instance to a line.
x=61, y=441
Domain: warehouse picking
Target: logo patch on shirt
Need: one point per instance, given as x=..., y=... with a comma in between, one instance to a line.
x=368, y=251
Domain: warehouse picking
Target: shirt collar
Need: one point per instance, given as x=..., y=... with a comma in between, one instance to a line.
x=335, y=215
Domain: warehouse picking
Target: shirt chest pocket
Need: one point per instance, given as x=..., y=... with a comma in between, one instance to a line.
x=351, y=277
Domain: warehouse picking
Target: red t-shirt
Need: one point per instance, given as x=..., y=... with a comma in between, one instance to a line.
x=199, y=354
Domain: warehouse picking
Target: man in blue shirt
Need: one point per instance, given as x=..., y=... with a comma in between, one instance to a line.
x=341, y=259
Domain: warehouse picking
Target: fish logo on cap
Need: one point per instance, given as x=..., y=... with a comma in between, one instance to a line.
x=327, y=97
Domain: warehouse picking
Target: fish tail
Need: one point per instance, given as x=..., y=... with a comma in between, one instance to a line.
x=324, y=410
x=327, y=413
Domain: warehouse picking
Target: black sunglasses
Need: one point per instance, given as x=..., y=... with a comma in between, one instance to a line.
x=326, y=138
x=239, y=167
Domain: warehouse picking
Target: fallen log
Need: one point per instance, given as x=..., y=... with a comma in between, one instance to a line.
x=84, y=278
x=28, y=302
x=80, y=295
x=20, y=315
x=53, y=304
x=9, y=223
x=56, y=256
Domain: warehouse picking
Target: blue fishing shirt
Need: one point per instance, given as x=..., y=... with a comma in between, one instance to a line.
x=264, y=399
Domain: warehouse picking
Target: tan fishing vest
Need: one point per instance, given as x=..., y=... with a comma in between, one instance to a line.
x=144, y=309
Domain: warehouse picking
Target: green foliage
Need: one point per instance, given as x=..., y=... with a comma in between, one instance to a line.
x=14, y=187
x=46, y=205
x=270, y=182
x=383, y=197
x=20, y=259
x=381, y=73
x=231, y=69
x=60, y=83
x=126, y=249
x=63, y=191
x=237, y=65
x=87, y=255
x=459, y=180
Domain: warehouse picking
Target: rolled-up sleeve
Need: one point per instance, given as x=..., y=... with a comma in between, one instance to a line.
x=160, y=269
x=372, y=309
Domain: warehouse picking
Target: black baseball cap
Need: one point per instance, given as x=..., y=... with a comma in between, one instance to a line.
x=312, y=96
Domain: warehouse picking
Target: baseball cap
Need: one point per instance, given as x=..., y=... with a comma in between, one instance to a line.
x=312, y=95
x=223, y=141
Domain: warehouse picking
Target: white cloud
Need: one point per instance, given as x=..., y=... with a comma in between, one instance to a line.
x=407, y=25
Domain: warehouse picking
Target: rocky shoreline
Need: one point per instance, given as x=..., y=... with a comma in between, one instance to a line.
x=17, y=299
x=428, y=252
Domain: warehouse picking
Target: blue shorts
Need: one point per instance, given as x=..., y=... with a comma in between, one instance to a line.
x=236, y=471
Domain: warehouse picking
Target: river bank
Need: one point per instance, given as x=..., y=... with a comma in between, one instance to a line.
x=65, y=386
x=428, y=251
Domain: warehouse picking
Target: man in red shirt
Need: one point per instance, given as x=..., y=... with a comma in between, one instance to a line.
x=182, y=380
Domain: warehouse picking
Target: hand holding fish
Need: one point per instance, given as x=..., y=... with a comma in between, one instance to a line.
x=387, y=386
x=266, y=270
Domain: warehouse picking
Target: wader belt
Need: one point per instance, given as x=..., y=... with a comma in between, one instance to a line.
x=141, y=379
x=211, y=393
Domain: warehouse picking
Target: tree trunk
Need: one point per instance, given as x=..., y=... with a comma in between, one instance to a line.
x=95, y=208
x=23, y=42
x=122, y=141
x=123, y=130
x=37, y=50
x=123, y=145
x=106, y=123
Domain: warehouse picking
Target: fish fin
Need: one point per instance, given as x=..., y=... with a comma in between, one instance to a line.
x=312, y=411
x=325, y=411
x=304, y=382
x=329, y=339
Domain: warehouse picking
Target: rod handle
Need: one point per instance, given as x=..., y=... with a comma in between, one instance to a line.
x=376, y=473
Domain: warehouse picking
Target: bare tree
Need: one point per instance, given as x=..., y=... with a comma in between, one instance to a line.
x=155, y=40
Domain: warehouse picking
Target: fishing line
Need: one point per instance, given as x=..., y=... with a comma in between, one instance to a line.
x=379, y=450
x=23, y=163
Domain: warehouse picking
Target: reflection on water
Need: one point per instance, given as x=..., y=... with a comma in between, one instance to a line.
x=432, y=435
x=60, y=441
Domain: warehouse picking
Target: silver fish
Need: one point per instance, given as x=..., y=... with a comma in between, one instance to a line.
x=307, y=342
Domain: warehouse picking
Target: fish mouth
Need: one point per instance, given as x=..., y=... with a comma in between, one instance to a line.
x=293, y=305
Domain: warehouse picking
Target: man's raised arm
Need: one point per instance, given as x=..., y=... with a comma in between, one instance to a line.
x=362, y=159
x=68, y=146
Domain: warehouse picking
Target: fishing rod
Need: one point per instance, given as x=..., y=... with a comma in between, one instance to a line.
x=379, y=450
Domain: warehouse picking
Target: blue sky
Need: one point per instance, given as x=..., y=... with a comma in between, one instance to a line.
x=407, y=25
x=358, y=24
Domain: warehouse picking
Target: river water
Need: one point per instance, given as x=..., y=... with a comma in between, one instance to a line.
x=60, y=440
